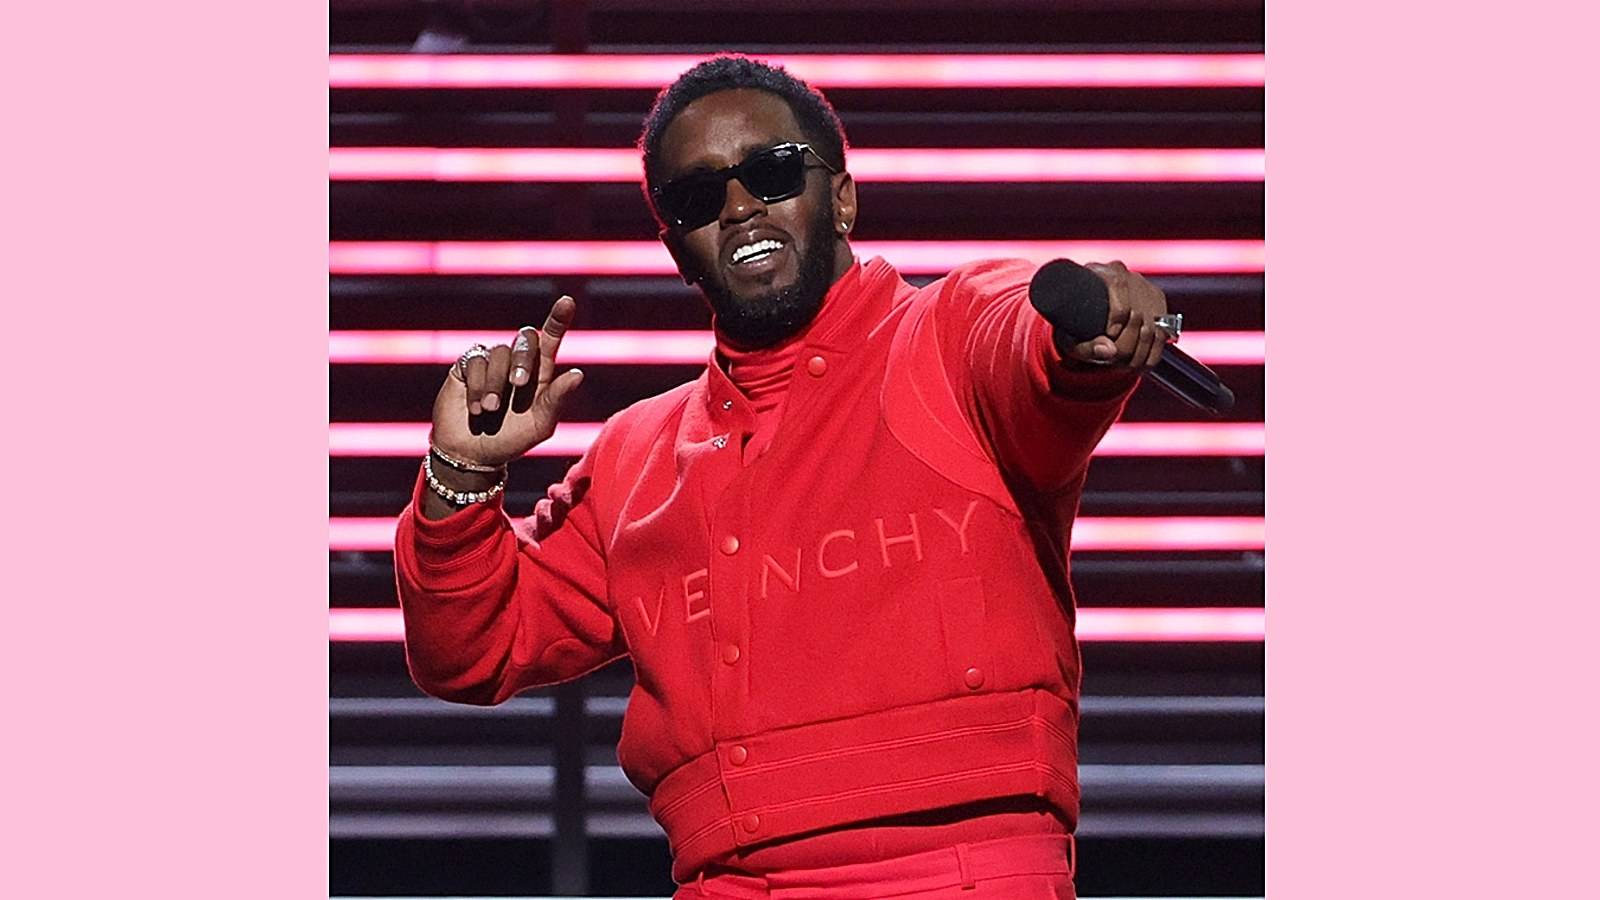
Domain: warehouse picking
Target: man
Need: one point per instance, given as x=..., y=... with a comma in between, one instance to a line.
x=838, y=559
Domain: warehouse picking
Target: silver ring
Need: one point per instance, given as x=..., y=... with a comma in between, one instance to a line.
x=473, y=352
x=1171, y=325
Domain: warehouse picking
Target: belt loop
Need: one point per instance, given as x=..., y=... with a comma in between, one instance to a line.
x=964, y=865
x=1072, y=855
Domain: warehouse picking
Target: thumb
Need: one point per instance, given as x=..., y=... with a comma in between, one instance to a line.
x=1099, y=349
x=552, y=401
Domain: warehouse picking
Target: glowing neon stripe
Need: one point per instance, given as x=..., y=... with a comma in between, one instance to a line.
x=935, y=165
x=1088, y=533
x=619, y=347
x=1094, y=624
x=823, y=70
x=411, y=439
x=391, y=439
x=1203, y=625
x=650, y=258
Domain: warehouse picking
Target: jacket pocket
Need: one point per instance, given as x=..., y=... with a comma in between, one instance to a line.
x=964, y=613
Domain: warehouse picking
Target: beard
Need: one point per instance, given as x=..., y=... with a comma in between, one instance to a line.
x=776, y=316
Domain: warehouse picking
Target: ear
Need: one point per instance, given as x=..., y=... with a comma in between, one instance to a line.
x=844, y=203
x=680, y=257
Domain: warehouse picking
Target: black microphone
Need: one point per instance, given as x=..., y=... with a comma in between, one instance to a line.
x=1076, y=303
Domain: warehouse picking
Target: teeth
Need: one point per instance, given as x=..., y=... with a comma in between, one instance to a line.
x=749, y=250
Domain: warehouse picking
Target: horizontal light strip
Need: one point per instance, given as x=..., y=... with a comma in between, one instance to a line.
x=411, y=439
x=1197, y=624
x=1094, y=624
x=1088, y=533
x=618, y=347
x=651, y=258
x=671, y=899
x=367, y=439
x=932, y=165
x=823, y=70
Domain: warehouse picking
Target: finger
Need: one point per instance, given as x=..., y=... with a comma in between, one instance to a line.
x=1128, y=340
x=1097, y=350
x=522, y=355
x=555, y=328
x=1117, y=310
x=552, y=401
x=1147, y=344
x=494, y=389
x=477, y=370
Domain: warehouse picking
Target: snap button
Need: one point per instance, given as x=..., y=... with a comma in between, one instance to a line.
x=750, y=823
x=974, y=678
x=817, y=366
x=738, y=755
x=727, y=404
x=730, y=545
x=730, y=654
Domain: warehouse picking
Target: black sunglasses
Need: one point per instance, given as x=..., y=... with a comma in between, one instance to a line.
x=774, y=174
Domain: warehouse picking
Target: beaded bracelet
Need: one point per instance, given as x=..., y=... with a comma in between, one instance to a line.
x=462, y=464
x=455, y=497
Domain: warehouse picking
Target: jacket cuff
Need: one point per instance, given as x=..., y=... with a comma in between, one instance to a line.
x=458, y=539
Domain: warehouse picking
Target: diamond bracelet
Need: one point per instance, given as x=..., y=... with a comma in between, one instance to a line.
x=455, y=497
x=462, y=464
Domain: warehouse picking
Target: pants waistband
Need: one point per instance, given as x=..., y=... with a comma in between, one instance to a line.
x=961, y=865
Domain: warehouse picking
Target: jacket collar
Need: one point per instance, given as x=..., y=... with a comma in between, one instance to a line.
x=853, y=307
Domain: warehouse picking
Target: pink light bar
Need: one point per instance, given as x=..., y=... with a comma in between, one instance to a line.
x=934, y=165
x=652, y=72
x=1088, y=533
x=1185, y=624
x=615, y=347
x=411, y=439
x=650, y=258
x=619, y=347
x=391, y=439
x=1204, y=625
x=366, y=625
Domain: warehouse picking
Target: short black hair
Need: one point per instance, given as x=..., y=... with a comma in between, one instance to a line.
x=727, y=72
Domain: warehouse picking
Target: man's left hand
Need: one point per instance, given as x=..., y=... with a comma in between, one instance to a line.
x=1132, y=340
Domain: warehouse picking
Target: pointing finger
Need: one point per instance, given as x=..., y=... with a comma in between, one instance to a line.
x=555, y=327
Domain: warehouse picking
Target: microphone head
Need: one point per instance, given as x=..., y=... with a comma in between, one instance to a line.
x=1071, y=298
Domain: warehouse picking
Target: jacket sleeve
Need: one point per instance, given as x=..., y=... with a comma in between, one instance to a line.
x=1037, y=417
x=492, y=607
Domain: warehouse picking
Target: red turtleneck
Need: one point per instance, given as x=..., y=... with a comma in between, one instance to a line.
x=762, y=374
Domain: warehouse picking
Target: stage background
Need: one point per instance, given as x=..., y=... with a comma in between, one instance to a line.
x=481, y=165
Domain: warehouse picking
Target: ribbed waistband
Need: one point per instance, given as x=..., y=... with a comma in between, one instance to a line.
x=794, y=781
x=960, y=866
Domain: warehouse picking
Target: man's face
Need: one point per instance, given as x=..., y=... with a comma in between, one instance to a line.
x=761, y=302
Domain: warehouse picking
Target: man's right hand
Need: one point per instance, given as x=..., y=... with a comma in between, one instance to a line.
x=500, y=406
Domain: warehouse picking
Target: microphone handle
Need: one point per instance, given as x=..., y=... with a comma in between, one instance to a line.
x=1191, y=381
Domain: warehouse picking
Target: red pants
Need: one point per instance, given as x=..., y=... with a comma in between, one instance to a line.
x=1032, y=867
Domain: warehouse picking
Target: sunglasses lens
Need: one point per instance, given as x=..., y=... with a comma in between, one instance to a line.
x=693, y=201
x=771, y=175
x=775, y=175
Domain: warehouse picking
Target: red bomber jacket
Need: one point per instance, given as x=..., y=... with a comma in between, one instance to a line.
x=871, y=617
